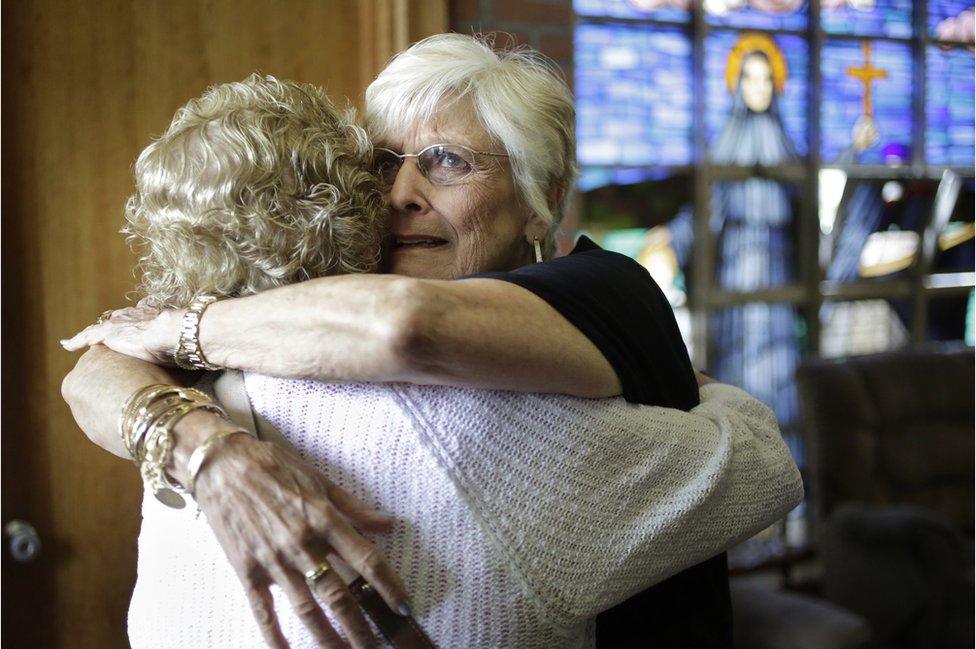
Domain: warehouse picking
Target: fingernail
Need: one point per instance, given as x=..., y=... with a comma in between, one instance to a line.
x=404, y=609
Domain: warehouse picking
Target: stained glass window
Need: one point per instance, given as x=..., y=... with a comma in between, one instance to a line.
x=878, y=18
x=948, y=19
x=778, y=14
x=863, y=327
x=862, y=81
x=949, y=107
x=790, y=105
x=879, y=230
x=633, y=95
x=671, y=10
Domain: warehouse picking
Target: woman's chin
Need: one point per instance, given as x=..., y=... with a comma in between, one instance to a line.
x=427, y=263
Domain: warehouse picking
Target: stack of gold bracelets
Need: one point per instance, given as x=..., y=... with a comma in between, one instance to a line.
x=149, y=416
x=146, y=426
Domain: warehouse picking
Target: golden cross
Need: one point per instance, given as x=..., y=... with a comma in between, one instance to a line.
x=866, y=74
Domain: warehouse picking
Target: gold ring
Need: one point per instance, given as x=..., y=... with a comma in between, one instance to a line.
x=104, y=317
x=312, y=576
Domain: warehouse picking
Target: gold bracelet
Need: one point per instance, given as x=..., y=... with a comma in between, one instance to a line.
x=188, y=354
x=202, y=453
x=143, y=408
x=135, y=406
x=157, y=450
x=146, y=425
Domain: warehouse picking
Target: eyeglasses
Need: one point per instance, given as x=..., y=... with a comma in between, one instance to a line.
x=441, y=164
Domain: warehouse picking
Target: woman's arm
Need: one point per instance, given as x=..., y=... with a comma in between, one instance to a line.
x=479, y=333
x=246, y=490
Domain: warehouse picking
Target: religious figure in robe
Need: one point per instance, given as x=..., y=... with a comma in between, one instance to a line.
x=755, y=345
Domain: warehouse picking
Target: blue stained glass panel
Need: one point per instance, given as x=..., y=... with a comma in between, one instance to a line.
x=792, y=14
x=949, y=107
x=843, y=102
x=633, y=95
x=946, y=18
x=792, y=103
x=670, y=10
x=885, y=18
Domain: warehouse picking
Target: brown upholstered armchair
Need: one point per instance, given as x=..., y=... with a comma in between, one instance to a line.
x=891, y=448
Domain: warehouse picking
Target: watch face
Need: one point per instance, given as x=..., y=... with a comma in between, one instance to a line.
x=170, y=498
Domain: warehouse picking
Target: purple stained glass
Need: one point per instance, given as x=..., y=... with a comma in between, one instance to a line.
x=669, y=10
x=633, y=95
x=949, y=107
x=791, y=104
x=757, y=14
x=844, y=100
x=881, y=18
x=951, y=19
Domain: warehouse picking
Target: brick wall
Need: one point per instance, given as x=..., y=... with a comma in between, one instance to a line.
x=546, y=25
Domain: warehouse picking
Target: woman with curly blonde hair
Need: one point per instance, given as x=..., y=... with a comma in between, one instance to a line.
x=520, y=517
x=255, y=184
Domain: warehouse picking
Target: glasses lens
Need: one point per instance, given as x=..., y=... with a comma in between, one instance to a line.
x=444, y=164
x=386, y=164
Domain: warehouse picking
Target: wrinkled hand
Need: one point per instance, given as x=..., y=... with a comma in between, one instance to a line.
x=276, y=518
x=140, y=331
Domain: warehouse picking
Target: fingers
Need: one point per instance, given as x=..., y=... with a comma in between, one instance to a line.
x=365, y=559
x=90, y=335
x=262, y=607
x=308, y=610
x=334, y=593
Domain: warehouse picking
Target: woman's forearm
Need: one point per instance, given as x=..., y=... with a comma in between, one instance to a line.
x=100, y=384
x=473, y=333
x=97, y=387
x=340, y=328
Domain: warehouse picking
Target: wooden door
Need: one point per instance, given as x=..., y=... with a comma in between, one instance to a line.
x=85, y=87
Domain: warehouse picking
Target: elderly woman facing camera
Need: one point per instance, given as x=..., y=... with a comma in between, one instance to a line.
x=559, y=507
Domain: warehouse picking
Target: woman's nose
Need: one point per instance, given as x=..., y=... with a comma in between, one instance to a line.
x=409, y=191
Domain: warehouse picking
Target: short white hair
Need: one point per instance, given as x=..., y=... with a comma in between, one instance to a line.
x=519, y=95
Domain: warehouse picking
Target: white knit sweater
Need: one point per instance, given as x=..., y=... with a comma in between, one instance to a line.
x=520, y=516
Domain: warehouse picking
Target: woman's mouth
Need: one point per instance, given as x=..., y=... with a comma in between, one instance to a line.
x=419, y=242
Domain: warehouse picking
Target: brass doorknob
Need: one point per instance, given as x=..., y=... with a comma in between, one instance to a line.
x=20, y=541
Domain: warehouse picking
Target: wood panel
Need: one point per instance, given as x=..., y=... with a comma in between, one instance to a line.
x=85, y=86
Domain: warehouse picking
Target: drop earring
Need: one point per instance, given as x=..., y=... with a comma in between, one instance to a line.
x=538, y=250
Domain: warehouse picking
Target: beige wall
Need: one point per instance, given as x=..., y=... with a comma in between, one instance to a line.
x=85, y=87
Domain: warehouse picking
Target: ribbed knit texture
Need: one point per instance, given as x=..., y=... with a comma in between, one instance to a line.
x=520, y=516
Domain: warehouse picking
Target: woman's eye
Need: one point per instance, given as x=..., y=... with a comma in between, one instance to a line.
x=451, y=160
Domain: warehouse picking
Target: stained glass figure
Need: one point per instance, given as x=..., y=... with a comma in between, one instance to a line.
x=867, y=17
x=952, y=20
x=633, y=95
x=757, y=349
x=757, y=14
x=789, y=103
x=949, y=107
x=669, y=10
x=867, y=101
x=755, y=344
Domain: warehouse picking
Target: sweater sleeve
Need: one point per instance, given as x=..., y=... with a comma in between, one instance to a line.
x=591, y=501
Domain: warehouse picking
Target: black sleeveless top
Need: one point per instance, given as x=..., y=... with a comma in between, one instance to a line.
x=614, y=301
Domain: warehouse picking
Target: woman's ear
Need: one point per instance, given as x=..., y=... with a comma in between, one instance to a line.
x=556, y=193
x=535, y=228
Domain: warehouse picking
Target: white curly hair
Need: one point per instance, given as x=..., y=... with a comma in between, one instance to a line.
x=255, y=184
